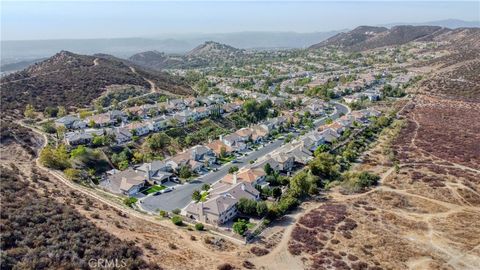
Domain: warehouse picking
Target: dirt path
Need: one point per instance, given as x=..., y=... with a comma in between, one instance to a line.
x=196, y=246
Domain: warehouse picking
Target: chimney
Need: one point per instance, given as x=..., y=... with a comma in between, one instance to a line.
x=148, y=172
x=194, y=154
x=235, y=181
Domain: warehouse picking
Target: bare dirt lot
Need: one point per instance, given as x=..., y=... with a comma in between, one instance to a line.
x=424, y=215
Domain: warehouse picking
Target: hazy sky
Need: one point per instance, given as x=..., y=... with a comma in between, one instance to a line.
x=22, y=20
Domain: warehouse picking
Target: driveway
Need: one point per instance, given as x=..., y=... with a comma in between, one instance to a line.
x=182, y=195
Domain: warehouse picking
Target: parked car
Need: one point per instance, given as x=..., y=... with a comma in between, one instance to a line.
x=157, y=193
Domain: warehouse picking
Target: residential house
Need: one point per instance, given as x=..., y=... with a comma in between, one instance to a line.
x=352, y=98
x=196, y=158
x=299, y=152
x=217, y=146
x=177, y=104
x=203, y=154
x=335, y=126
x=329, y=135
x=260, y=132
x=121, y=134
x=138, y=128
x=313, y=140
x=234, y=141
x=245, y=134
x=70, y=122
x=78, y=138
x=253, y=176
x=159, y=122
x=221, y=206
x=216, y=98
x=136, y=111
x=157, y=172
x=128, y=182
x=84, y=136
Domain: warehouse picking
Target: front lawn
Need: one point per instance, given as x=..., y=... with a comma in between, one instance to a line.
x=154, y=189
x=223, y=160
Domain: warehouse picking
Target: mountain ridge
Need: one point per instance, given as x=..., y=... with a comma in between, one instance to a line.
x=371, y=37
x=74, y=80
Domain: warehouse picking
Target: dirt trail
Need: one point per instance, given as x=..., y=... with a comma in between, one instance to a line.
x=96, y=194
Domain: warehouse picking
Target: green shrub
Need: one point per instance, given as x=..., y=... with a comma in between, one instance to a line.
x=130, y=201
x=176, y=211
x=177, y=220
x=199, y=227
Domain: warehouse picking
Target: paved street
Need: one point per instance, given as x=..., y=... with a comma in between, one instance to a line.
x=181, y=196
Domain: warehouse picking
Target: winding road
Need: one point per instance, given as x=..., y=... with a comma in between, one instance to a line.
x=181, y=196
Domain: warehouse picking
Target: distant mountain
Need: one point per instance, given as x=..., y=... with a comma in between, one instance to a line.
x=16, y=51
x=157, y=60
x=370, y=37
x=207, y=54
x=74, y=80
x=449, y=23
x=15, y=66
x=214, y=49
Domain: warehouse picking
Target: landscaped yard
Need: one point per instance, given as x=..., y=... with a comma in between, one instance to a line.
x=204, y=196
x=153, y=189
x=223, y=160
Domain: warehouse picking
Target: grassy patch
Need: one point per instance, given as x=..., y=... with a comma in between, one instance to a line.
x=204, y=197
x=154, y=189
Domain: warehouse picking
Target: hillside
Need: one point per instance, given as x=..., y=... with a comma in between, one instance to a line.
x=214, y=49
x=156, y=60
x=207, y=54
x=74, y=80
x=369, y=37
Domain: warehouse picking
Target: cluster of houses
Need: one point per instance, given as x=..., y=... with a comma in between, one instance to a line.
x=224, y=195
x=373, y=94
x=176, y=112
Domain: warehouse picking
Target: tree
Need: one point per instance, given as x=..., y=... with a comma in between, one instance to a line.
x=91, y=123
x=276, y=192
x=114, y=104
x=79, y=151
x=61, y=131
x=176, y=211
x=268, y=169
x=321, y=148
x=123, y=165
x=205, y=187
x=29, y=111
x=48, y=127
x=299, y=184
x=196, y=196
x=157, y=142
x=185, y=172
x=223, y=152
x=247, y=206
x=240, y=227
x=163, y=213
x=61, y=111
x=261, y=208
x=324, y=165
x=73, y=174
x=55, y=158
x=233, y=169
x=50, y=112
